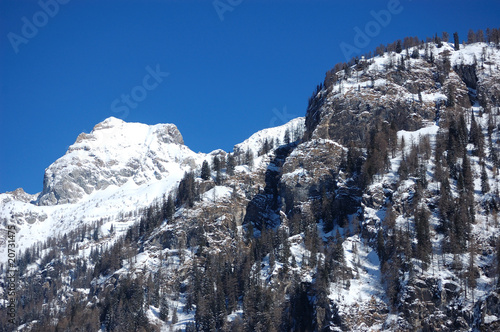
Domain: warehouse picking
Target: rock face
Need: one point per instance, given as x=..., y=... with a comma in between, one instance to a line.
x=310, y=168
x=381, y=92
x=114, y=153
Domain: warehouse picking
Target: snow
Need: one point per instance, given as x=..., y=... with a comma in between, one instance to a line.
x=367, y=282
x=255, y=142
x=235, y=314
x=109, y=149
x=413, y=137
x=488, y=319
x=217, y=193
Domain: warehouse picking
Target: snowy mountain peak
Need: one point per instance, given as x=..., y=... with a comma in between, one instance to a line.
x=166, y=132
x=112, y=154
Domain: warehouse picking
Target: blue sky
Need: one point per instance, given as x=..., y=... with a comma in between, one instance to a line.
x=234, y=67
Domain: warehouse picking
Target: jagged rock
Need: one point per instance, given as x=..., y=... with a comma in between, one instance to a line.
x=488, y=312
x=310, y=169
x=374, y=197
x=468, y=74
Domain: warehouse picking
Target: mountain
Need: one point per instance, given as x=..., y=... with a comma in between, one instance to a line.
x=376, y=211
x=114, y=171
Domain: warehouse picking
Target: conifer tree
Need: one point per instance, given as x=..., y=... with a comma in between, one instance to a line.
x=476, y=137
x=216, y=164
x=399, y=48
x=445, y=36
x=485, y=186
x=168, y=207
x=424, y=246
x=249, y=158
x=471, y=270
x=471, y=37
x=164, y=309
x=205, y=171
x=231, y=164
x=286, y=139
x=187, y=190
x=456, y=41
x=480, y=36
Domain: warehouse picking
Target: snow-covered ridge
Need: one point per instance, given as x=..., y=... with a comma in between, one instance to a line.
x=254, y=143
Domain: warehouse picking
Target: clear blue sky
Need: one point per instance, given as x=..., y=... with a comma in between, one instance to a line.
x=227, y=78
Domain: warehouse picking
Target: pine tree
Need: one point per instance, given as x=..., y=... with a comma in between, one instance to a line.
x=456, y=41
x=249, y=158
x=205, y=171
x=286, y=139
x=445, y=36
x=485, y=186
x=175, y=319
x=471, y=37
x=471, y=270
x=187, y=190
x=381, y=246
x=265, y=147
x=216, y=164
x=476, y=137
x=468, y=178
x=424, y=246
x=438, y=41
x=231, y=164
x=480, y=36
x=164, y=309
x=399, y=48
x=168, y=208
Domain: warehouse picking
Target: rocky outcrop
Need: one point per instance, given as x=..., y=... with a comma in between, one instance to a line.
x=488, y=313
x=468, y=74
x=310, y=169
x=263, y=209
x=350, y=109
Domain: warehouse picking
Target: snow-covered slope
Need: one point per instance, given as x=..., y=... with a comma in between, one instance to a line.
x=283, y=134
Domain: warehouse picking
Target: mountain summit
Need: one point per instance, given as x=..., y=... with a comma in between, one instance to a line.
x=112, y=154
